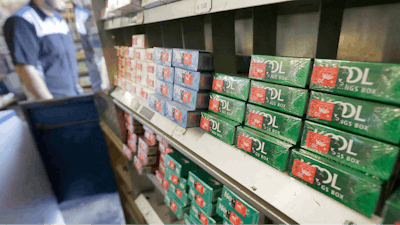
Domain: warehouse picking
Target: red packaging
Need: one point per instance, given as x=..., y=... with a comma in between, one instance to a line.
x=145, y=147
x=147, y=160
x=150, y=136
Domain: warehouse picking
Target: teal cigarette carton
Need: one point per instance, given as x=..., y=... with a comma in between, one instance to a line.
x=219, y=127
x=229, y=214
x=179, y=163
x=175, y=206
x=276, y=124
x=178, y=182
x=231, y=86
x=371, y=119
x=347, y=186
x=265, y=148
x=280, y=70
x=203, y=218
x=208, y=207
x=278, y=97
x=365, y=80
x=182, y=196
x=367, y=155
x=205, y=185
x=238, y=204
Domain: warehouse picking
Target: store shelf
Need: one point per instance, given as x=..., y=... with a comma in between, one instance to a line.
x=186, y=8
x=125, y=176
x=275, y=194
x=153, y=179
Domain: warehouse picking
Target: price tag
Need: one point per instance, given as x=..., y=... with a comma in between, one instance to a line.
x=202, y=6
x=147, y=113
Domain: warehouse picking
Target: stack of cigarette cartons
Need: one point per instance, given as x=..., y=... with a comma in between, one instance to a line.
x=126, y=67
x=134, y=130
x=148, y=154
x=350, y=139
x=164, y=148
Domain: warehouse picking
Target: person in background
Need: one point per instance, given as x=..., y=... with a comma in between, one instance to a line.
x=83, y=20
x=42, y=49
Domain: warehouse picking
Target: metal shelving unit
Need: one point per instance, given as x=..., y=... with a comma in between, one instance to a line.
x=349, y=30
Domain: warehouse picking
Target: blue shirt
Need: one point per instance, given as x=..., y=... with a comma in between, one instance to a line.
x=44, y=42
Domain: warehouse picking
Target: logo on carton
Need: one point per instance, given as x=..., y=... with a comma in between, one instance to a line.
x=215, y=126
x=322, y=137
x=224, y=103
x=205, y=124
x=361, y=75
x=327, y=76
x=255, y=119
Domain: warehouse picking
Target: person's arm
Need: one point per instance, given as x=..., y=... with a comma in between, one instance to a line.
x=33, y=81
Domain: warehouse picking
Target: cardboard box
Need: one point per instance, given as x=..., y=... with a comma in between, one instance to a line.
x=165, y=73
x=280, y=70
x=367, y=155
x=361, y=117
x=157, y=103
x=391, y=211
x=179, y=164
x=219, y=127
x=151, y=82
x=265, y=148
x=139, y=41
x=141, y=67
x=202, y=217
x=194, y=60
x=149, y=55
x=347, y=186
x=164, y=89
x=276, y=124
x=227, y=107
x=191, y=99
x=231, y=86
x=151, y=68
x=365, y=80
x=193, y=80
x=180, y=195
x=143, y=169
x=233, y=217
x=278, y=97
x=163, y=56
x=209, y=208
x=239, y=205
x=206, y=186
x=182, y=115
x=176, y=207
x=145, y=147
x=150, y=136
x=147, y=160
x=179, y=182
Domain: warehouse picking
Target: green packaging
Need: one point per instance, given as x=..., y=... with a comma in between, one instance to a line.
x=178, y=182
x=207, y=207
x=347, y=186
x=188, y=219
x=227, y=107
x=219, y=127
x=243, y=208
x=231, y=86
x=176, y=207
x=233, y=217
x=280, y=70
x=205, y=185
x=178, y=163
x=365, y=80
x=391, y=212
x=265, y=148
x=282, y=98
x=361, y=117
x=181, y=195
x=279, y=125
x=202, y=217
x=370, y=156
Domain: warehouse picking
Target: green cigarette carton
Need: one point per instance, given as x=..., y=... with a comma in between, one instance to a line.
x=219, y=127
x=361, y=117
x=207, y=207
x=178, y=182
x=229, y=214
x=370, y=156
x=179, y=163
x=238, y=204
x=265, y=148
x=181, y=195
x=280, y=70
x=188, y=219
x=227, y=107
x=175, y=206
x=391, y=212
x=231, y=86
x=347, y=186
x=202, y=217
x=276, y=124
x=282, y=98
x=205, y=185
x=365, y=80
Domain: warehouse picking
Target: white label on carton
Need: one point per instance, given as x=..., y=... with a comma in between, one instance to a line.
x=202, y=6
